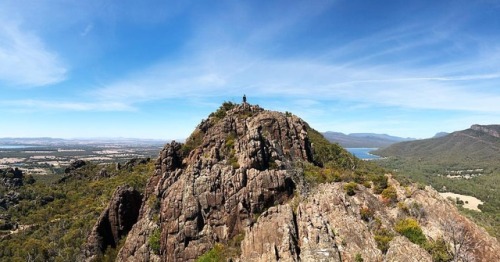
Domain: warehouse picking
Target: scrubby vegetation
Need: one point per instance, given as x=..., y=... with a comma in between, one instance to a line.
x=331, y=154
x=192, y=142
x=465, y=162
x=222, y=111
x=390, y=195
x=332, y=163
x=382, y=238
x=213, y=255
x=154, y=241
x=56, y=231
x=223, y=252
x=350, y=188
x=410, y=228
x=483, y=187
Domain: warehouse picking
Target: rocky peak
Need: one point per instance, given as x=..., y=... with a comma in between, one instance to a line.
x=248, y=136
x=492, y=130
x=236, y=164
x=236, y=180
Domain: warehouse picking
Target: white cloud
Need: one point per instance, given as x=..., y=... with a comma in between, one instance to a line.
x=24, y=59
x=232, y=73
x=36, y=105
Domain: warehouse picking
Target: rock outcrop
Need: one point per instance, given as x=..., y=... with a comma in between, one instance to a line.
x=236, y=168
x=11, y=177
x=74, y=166
x=240, y=176
x=492, y=130
x=133, y=162
x=114, y=223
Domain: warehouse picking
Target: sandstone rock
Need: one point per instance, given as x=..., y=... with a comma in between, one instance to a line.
x=401, y=249
x=274, y=237
x=331, y=229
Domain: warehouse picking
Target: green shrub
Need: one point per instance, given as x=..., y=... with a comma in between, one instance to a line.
x=382, y=238
x=215, y=254
x=230, y=139
x=350, y=188
x=439, y=250
x=192, y=142
x=403, y=207
x=154, y=241
x=390, y=194
x=312, y=174
x=410, y=229
x=379, y=183
x=222, y=111
x=358, y=258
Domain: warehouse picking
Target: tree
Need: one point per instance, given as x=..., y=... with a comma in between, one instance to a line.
x=461, y=239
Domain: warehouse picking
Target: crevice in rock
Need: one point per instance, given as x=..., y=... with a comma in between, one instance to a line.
x=276, y=253
x=296, y=239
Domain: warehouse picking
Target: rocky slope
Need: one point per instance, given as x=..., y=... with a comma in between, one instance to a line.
x=237, y=187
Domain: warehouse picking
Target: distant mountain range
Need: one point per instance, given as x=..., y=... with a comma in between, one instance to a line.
x=368, y=140
x=440, y=134
x=478, y=144
x=41, y=141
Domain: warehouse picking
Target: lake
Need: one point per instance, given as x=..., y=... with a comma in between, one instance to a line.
x=14, y=146
x=363, y=153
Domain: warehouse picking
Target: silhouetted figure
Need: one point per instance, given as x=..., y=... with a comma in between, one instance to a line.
x=244, y=99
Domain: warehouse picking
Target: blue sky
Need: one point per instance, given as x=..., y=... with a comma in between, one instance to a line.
x=154, y=69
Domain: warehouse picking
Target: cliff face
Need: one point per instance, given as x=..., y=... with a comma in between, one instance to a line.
x=240, y=176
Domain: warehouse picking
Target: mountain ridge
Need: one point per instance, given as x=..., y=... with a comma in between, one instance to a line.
x=363, y=140
x=479, y=144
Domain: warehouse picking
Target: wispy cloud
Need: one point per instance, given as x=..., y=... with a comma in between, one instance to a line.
x=87, y=30
x=232, y=73
x=393, y=67
x=24, y=59
x=36, y=105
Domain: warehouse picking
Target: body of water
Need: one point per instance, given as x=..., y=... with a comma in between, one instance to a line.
x=363, y=153
x=14, y=146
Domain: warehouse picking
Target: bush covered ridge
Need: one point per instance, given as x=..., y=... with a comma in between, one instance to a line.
x=56, y=231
